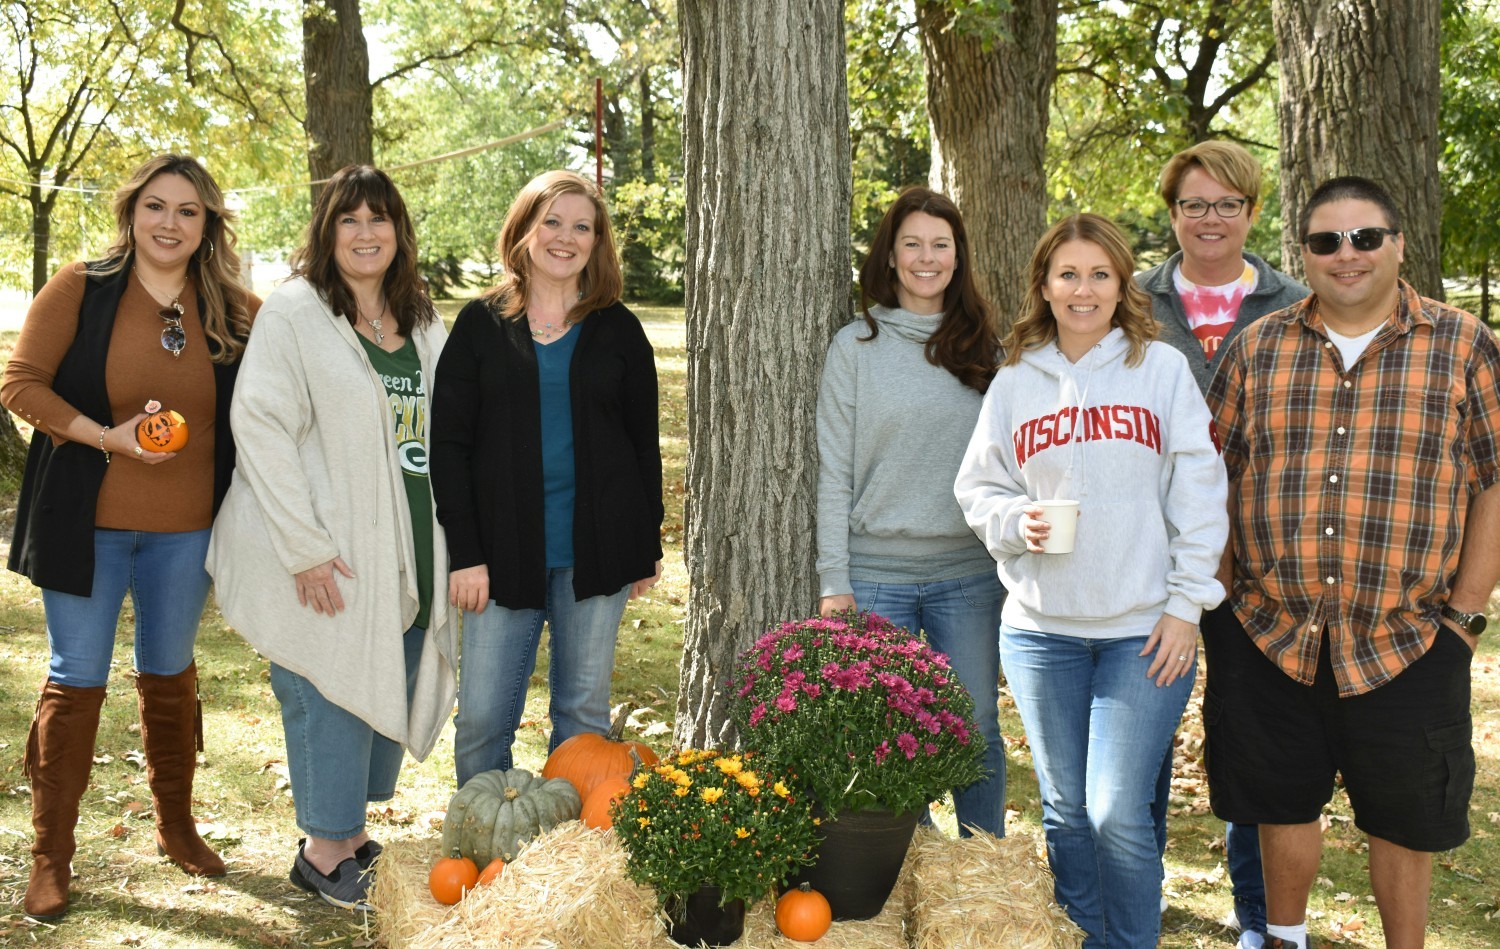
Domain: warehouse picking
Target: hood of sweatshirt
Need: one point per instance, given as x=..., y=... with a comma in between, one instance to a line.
x=1073, y=381
x=906, y=324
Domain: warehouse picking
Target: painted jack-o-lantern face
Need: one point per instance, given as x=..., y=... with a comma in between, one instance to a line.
x=162, y=431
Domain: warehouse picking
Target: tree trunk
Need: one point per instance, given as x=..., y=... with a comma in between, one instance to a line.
x=989, y=109
x=1359, y=96
x=340, y=107
x=41, y=239
x=767, y=182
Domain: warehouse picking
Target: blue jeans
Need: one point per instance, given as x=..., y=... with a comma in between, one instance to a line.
x=1099, y=730
x=168, y=586
x=961, y=618
x=336, y=762
x=499, y=655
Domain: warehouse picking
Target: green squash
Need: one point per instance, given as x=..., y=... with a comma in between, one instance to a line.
x=497, y=811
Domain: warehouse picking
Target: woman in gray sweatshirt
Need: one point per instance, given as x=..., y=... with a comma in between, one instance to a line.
x=900, y=395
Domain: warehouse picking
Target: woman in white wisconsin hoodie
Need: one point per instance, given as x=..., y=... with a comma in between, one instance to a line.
x=901, y=390
x=1098, y=645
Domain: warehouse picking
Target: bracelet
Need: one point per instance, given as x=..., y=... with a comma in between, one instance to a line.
x=101, y=443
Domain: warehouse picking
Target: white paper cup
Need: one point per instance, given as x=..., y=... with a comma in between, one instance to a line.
x=1063, y=516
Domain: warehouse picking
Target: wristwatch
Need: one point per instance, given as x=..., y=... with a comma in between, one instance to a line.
x=1471, y=623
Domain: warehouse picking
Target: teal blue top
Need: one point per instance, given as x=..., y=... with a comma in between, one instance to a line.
x=559, y=478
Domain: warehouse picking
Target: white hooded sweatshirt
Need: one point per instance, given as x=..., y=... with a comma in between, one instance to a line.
x=1133, y=445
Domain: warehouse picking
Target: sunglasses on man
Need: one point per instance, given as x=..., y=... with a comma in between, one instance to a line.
x=1323, y=243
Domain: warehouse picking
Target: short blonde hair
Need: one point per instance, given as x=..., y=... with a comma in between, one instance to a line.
x=1229, y=164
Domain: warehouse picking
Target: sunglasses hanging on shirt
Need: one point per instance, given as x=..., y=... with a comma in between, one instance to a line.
x=1323, y=243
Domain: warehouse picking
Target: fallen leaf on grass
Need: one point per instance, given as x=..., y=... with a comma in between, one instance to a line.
x=117, y=831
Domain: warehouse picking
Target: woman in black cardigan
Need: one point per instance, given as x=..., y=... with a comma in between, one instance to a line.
x=546, y=471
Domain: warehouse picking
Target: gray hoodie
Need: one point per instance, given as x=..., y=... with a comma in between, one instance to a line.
x=891, y=431
x=1133, y=446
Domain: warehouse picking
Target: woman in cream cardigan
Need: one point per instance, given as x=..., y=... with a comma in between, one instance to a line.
x=326, y=552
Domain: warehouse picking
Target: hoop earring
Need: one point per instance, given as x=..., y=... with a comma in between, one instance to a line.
x=204, y=260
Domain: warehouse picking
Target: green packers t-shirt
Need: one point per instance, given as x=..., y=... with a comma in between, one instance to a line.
x=406, y=394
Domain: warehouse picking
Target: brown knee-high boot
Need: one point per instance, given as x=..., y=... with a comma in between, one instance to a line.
x=59, y=754
x=172, y=732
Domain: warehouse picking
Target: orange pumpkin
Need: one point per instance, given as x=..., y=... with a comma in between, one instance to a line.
x=162, y=431
x=491, y=872
x=451, y=878
x=596, y=809
x=586, y=760
x=803, y=914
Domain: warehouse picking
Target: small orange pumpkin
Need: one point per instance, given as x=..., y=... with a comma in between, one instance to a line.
x=491, y=872
x=162, y=431
x=596, y=809
x=586, y=760
x=451, y=878
x=803, y=914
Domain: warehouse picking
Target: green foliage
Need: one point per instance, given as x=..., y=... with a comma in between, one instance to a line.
x=650, y=223
x=1470, y=160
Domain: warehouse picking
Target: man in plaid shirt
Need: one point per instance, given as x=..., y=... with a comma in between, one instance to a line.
x=1361, y=432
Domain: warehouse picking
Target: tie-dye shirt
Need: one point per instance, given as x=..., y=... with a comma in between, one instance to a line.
x=1211, y=311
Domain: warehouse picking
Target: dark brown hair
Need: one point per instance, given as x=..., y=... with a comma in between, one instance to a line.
x=965, y=342
x=1037, y=326
x=599, y=285
x=226, y=313
x=405, y=290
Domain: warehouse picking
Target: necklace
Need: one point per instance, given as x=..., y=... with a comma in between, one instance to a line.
x=550, y=329
x=158, y=292
x=375, y=324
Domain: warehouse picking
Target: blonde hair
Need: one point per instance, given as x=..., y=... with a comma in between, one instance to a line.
x=226, y=312
x=1036, y=327
x=1225, y=162
x=599, y=285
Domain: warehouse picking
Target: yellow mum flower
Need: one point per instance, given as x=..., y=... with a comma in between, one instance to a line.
x=680, y=791
x=712, y=794
x=643, y=821
x=741, y=833
x=748, y=779
x=730, y=765
x=683, y=779
x=640, y=780
x=780, y=789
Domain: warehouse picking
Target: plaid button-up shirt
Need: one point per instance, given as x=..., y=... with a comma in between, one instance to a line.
x=1354, y=483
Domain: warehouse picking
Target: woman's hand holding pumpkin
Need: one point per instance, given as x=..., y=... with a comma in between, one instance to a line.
x=317, y=587
x=120, y=440
x=469, y=588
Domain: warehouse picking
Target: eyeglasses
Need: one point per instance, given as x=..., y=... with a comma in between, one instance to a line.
x=1324, y=243
x=173, y=339
x=1224, y=207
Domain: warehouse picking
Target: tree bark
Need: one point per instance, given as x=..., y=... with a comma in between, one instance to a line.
x=340, y=105
x=1359, y=96
x=988, y=109
x=767, y=182
x=41, y=233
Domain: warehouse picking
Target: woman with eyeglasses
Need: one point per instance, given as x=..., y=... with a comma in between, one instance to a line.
x=1201, y=298
x=161, y=316
x=327, y=552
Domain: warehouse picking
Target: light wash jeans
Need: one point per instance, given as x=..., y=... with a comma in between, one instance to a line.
x=499, y=655
x=962, y=619
x=1099, y=730
x=168, y=586
x=336, y=762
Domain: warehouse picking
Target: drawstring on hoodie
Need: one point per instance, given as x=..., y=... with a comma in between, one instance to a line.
x=1078, y=422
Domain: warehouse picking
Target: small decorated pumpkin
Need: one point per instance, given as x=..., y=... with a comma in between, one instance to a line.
x=161, y=429
x=492, y=872
x=596, y=809
x=585, y=760
x=803, y=914
x=452, y=877
x=497, y=811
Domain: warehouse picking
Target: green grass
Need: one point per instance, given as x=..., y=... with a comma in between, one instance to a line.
x=126, y=895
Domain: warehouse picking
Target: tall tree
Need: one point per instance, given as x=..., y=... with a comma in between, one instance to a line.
x=1359, y=96
x=990, y=66
x=1471, y=152
x=340, y=104
x=766, y=165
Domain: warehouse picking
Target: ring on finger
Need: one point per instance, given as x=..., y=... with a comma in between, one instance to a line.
x=1182, y=658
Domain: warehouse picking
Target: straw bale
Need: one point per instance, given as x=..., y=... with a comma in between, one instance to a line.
x=569, y=890
x=983, y=891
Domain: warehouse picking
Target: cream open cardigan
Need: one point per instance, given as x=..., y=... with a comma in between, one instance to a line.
x=318, y=477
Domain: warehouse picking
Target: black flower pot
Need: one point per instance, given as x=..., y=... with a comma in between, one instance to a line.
x=698, y=919
x=859, y=858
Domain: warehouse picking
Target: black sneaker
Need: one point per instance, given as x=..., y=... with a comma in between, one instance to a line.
x=345, y=887
x=367, y=853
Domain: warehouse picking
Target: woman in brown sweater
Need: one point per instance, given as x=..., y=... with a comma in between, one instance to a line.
x=161, y=316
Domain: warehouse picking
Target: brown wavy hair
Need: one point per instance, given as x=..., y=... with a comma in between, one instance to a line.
x=600, y=283
x=1037, y=327
x=405, y=290
x=965, y=342
x=225, y=311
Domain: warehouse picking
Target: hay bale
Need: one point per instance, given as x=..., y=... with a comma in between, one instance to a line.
x=982, y=891
x=569, y=889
